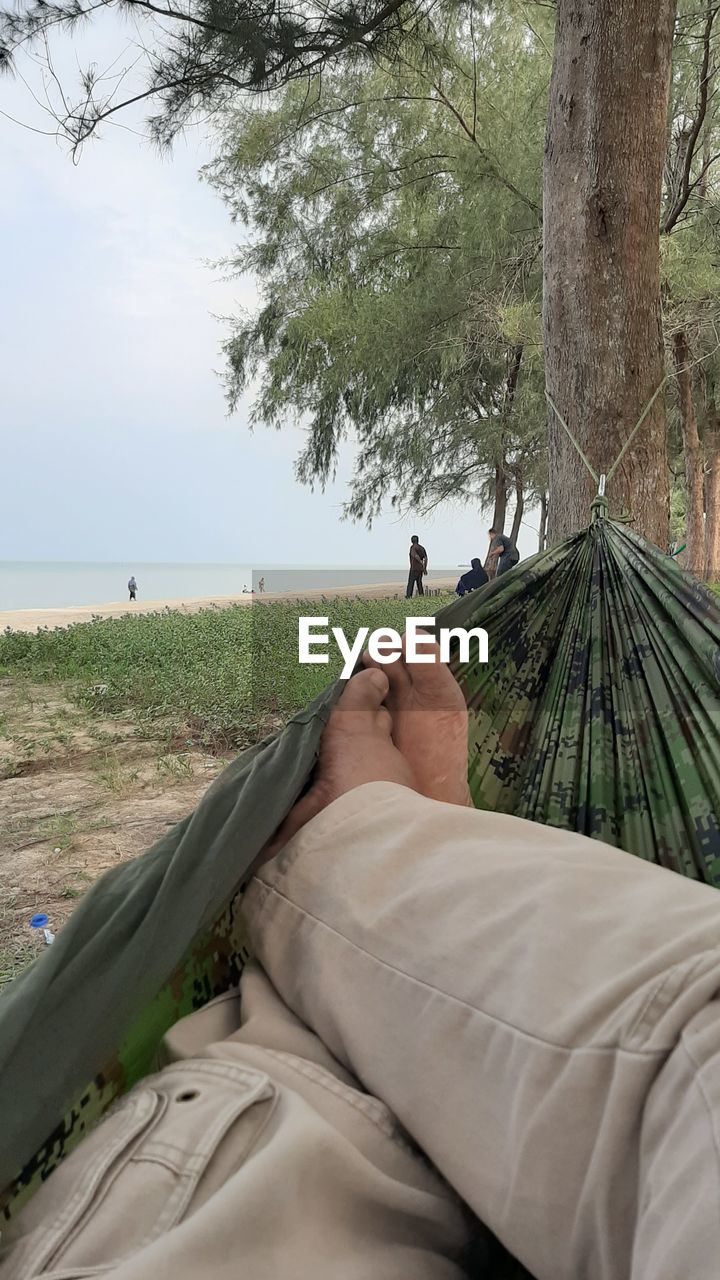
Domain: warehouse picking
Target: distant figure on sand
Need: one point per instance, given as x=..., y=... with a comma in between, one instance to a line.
x=418, y=567
x=261, y=585
x=503, y=551
x=132, y=587
x=474, y=578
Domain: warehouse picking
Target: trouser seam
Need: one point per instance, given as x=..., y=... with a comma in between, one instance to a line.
x=698, y=1081
x=675, y=979
x=465, y=1004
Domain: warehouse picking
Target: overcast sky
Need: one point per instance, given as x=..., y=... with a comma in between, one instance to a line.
x=115, y=440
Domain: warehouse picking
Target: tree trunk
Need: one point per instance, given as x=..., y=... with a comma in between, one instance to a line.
x=712, y=488
x=542, y=531
x=707, y=150
x=499, y=512
x=519, y=506
x=514, y=361
x=694, y=503
x=604, y=156
x=514, y=358
x=500, y=504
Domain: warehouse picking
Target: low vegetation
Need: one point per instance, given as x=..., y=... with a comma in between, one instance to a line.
x=215, y=679
x=110, y=732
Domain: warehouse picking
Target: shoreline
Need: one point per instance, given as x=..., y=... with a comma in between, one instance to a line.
x=31, y=620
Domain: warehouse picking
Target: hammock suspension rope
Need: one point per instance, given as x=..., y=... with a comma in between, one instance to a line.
x=604, y=479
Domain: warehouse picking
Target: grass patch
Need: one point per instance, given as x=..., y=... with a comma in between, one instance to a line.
x=211, y=679
x=174, y=768
x=112, y=774
x=61, y=832
x=15, y=958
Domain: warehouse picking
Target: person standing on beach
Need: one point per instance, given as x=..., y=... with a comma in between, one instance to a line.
x=132, y=587
x=261, y=585
x=418, y=567
x=503, y=551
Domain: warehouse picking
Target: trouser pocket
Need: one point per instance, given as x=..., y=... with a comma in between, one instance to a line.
x=155, y=1158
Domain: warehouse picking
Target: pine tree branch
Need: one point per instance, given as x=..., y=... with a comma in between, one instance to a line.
x=686, y=186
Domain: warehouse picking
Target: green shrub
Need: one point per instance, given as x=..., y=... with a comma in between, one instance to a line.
x=212, y=677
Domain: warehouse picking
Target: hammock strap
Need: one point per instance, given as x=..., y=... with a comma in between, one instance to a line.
x=635, y=429
x=626, y=445
x=564, y=424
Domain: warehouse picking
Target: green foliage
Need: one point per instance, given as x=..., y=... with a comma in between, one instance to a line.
x=215, y=678
x=689, y=264
x=164, y=666
x=174, y=768
x=390, y=188
x=112, y=774
x=394, y=221
x=690, y=245
x=201, y=55
x=677, y=513
x=62, y=831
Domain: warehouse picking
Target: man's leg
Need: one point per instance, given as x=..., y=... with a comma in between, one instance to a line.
x=256, y=1155
x=421, y=589
x=410, y=585
x=541, y=1011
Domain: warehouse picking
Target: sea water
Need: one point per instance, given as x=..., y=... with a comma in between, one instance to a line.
x=37, y=584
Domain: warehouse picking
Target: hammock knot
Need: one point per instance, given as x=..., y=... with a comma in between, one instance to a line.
x=599, y=508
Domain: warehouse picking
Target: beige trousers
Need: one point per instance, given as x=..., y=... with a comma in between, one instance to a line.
x=537, y=1011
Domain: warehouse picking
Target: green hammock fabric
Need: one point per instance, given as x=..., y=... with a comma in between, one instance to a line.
x=599, y=712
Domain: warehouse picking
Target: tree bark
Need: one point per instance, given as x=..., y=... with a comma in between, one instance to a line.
x=694, y=500
x=604, y=357
x=542, y=531
x=499, y=513
x=514, y=361
x=711, y=442
x=519, y=506
x=500, y=503
x=707, y=141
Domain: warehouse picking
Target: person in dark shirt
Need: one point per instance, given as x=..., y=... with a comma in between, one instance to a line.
x=503, y=551
x=474, y=578
x=418, y=567
x=132, y=587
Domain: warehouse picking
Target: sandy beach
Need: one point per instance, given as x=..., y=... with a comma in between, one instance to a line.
x=35, y=619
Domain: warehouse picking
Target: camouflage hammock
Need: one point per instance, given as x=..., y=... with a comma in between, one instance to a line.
x=599, y=712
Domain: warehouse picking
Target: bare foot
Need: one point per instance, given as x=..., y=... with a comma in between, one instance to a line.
x=429, y=724
x=356, y=747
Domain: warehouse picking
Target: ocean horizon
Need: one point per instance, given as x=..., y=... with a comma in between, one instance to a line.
x=57, y=584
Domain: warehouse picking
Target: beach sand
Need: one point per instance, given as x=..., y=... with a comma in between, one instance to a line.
x=35, y=619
